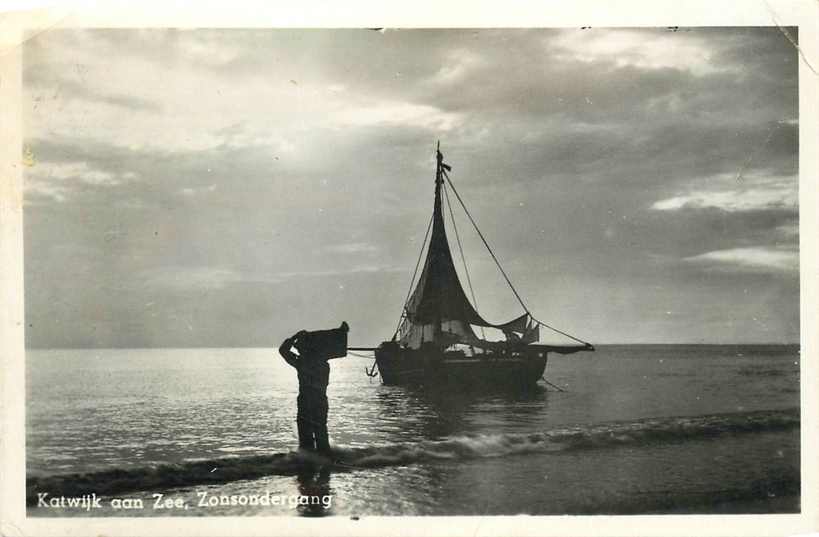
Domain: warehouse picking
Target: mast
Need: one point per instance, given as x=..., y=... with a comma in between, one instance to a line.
x=438, y=220
x=438, y=296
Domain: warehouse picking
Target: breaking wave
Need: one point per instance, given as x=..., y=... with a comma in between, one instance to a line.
x=207, y=472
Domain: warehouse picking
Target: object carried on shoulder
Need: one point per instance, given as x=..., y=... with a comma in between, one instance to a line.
x=327, y=343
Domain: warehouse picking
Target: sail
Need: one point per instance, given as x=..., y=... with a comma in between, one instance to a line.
x=439, y=295
x=438, y=308
x=521, y=324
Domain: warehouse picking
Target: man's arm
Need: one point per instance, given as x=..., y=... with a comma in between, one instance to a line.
x=285, y=350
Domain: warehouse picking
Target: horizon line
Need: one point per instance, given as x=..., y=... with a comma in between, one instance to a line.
x=36, y=348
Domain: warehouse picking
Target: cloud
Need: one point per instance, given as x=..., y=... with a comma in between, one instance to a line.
x=59, y=180
x=69, y=89
x=457, y=64
x=352, y=248
x=639, y=48
x=748, y=194
x=752, y=259
x=207, y=48
x=190, y=191
x=80, y=171
x=731, y=201
x=185, y=278
x=79, y=82
x=789, y=230
x=179, y=277
x=395, y=113
x=358, y=269
x=44, y=191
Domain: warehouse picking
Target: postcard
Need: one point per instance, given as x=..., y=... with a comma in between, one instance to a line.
x=481, y=270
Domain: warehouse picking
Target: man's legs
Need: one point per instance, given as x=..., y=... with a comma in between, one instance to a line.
x=305, y=434
x=303, y=420
x=320, y=427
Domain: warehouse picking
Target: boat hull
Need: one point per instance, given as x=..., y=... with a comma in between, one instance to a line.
x=434, y=367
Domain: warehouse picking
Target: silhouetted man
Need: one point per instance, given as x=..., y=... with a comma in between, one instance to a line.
x=314, y=374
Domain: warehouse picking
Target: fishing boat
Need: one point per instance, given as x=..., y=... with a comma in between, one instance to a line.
x=435, y=341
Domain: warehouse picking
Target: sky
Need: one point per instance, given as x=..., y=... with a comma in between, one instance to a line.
x=204, y=188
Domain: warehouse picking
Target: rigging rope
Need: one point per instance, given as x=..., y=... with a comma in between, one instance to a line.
x=414, y=273
x=503, y=272
x=463, y=257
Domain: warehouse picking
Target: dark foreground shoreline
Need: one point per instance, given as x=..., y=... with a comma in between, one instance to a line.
x=780, y=496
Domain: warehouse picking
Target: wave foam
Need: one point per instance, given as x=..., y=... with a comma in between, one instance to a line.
x=206, y=472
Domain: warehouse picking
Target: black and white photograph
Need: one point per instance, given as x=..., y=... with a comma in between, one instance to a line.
x=344, y=273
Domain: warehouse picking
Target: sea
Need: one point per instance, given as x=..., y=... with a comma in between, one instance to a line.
x=628, y=429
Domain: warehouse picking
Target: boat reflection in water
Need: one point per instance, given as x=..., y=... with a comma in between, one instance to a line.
x=416, y=412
